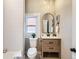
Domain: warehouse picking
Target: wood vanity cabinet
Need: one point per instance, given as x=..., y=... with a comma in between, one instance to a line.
x=51, y=48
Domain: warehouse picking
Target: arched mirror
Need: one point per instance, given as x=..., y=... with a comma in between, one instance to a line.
x=48, y=23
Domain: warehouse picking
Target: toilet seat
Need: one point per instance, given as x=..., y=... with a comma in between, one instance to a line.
x=32, y=52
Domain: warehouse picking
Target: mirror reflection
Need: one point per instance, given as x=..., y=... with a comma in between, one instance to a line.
x=48, y=23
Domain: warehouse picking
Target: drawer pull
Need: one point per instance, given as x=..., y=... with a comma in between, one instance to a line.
x=51, y=48
x=50, y=42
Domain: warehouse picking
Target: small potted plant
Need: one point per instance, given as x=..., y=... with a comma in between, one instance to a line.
x=33, y=35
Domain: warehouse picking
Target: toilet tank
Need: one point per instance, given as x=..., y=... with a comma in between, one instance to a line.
x=33, y=42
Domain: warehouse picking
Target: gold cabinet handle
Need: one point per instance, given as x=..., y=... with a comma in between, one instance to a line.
x=51, y=48
x=50, y=42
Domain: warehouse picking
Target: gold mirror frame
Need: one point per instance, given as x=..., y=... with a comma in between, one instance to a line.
x=53, y=22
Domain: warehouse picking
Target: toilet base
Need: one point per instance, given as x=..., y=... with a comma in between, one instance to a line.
x=32, y=58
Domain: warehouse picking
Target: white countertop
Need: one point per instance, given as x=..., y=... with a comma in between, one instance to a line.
x=50, y=37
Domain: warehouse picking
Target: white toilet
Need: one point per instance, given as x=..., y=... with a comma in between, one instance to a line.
x=32, y=51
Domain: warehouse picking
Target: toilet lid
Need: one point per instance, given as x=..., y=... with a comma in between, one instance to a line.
x=32, y=51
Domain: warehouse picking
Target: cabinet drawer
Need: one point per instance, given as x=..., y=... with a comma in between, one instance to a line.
x=51, y=49
x=50, y=43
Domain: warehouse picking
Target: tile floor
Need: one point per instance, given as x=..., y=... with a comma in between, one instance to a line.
x=37, y=57
x=10, y=55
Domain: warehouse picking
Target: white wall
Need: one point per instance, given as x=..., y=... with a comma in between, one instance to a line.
x=74, y=23
x=73, y=27
x=39, y=6
x=13, y=25
x=64, y=8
